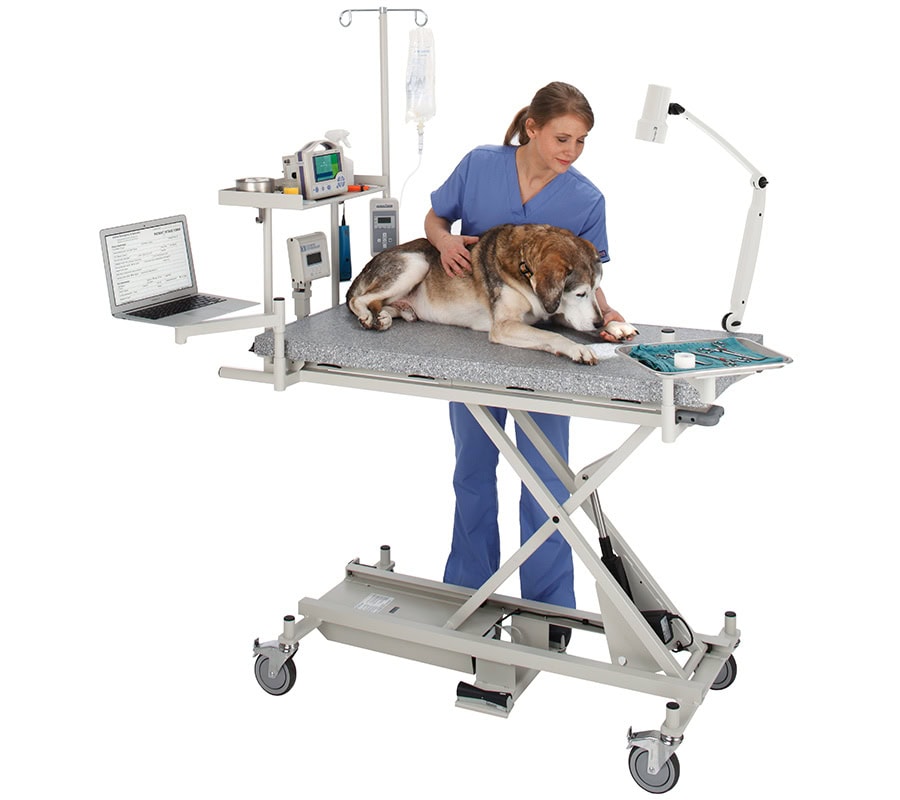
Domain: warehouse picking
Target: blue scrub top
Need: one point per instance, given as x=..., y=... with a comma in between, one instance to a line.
x=483, y=191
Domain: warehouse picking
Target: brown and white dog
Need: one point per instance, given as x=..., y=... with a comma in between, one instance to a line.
x=521, y=274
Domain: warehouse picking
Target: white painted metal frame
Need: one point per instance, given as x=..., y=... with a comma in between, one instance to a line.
x=458, y=634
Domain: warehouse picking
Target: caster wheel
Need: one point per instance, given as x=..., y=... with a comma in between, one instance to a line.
x=664, y=780
x=726, y=675
x=282, y=682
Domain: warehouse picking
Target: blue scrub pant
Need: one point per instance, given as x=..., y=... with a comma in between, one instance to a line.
x=548, y=575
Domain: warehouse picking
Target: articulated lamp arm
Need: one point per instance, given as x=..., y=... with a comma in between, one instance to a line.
x=652, y=127
x=752, y=228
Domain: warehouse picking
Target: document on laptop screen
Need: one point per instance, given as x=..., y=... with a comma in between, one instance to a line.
x=148, y=263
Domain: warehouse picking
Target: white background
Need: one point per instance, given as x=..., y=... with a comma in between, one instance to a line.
x=132, y=584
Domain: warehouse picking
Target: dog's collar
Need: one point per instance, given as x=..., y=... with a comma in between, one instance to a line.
x=523, y=266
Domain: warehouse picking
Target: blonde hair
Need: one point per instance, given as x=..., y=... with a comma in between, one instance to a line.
x=555, y=100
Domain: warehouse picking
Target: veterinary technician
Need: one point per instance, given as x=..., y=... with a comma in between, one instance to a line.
x=532, y=181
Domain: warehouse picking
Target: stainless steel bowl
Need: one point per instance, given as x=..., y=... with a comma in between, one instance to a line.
x=255, y=184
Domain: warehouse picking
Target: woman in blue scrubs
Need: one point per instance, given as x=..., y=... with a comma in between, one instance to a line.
x=532, y=181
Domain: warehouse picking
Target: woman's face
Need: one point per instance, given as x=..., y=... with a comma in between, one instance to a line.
x=560, y=142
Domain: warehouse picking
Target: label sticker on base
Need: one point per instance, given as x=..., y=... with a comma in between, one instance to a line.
x=374, y=603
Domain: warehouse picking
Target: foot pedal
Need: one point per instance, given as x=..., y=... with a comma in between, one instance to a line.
x=471, y=697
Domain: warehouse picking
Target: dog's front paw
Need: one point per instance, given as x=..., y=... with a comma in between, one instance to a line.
x=620, y=330
x=581, y=354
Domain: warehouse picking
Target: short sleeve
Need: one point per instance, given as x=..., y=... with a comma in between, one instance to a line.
x=447, y=200
x=595, y=230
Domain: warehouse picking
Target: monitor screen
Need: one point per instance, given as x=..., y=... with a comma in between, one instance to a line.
x=149, y=262
x=326, y=166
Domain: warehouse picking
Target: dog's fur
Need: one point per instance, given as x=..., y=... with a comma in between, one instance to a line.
x=521, y=274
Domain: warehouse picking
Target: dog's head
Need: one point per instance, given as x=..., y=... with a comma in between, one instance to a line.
x=564, y=270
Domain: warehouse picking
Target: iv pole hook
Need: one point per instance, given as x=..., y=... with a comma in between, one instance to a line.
x=346, y=17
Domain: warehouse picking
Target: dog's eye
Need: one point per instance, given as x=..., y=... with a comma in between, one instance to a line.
x=581, y=294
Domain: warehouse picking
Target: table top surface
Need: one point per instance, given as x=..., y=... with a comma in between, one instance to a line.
x=450, y=353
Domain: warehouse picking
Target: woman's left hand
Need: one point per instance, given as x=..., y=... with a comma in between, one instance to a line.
x=611, y=315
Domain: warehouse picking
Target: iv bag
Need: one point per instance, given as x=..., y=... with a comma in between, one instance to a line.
x=420, y=76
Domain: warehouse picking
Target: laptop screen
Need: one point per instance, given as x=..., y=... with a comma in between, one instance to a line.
x=148, y=261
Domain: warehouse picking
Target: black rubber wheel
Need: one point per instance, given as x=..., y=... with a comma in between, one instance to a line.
x=282, y=682
x=664, y=780
x=726, y=675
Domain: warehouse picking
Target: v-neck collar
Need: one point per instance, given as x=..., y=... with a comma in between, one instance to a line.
x=546, y=192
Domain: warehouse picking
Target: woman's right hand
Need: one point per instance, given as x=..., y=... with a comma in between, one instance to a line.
x=455, y=256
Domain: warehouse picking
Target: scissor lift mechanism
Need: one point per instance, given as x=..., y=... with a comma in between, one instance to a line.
x=377, y=608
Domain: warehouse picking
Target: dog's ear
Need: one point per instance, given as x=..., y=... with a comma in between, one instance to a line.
x=548, y=286
x=594, y=257
x=546, y=261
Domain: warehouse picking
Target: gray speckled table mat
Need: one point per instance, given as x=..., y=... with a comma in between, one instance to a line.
x=449, y=353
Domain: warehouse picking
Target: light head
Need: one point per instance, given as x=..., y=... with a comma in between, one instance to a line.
x=652, y=126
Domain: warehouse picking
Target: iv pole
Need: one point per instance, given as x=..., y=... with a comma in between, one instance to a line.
x=346, y=19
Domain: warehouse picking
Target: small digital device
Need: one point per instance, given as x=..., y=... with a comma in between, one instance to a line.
x=385, y=213
x=308, y=256
x=309, y=261
x=321, y=168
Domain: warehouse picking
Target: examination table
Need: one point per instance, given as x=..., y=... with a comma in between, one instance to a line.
x=503, y=642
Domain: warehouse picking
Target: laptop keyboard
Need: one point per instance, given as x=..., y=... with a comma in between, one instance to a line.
x=177, y=306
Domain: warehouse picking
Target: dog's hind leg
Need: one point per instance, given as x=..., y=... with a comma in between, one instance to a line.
x=385, y=317
x=373, y=312
x=400, y=308
x=390, y=311
x=387, y=296
x=365, y=307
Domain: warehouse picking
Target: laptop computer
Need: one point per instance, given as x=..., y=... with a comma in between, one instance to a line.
x=150, y=275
